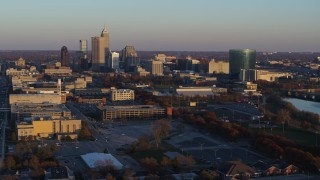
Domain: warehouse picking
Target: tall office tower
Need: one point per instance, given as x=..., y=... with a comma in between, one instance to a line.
x=84, y=46
x=80, y=62
x=64, y=56
x=115, y=60
x=99, y=45
x=155, y=67
x=241, y=59
x=130, y=58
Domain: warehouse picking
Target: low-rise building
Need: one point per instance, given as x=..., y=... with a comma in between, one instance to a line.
x=101, y=160
x=122, y=95
x=41, y=127
x=60, y=71
x=21, y=111
x=34, y=98
x=218, y=67
x=200, y=91
x=110, y=113
x=16, y=72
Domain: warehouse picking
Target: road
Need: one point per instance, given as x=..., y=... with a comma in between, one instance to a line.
x=4, y=119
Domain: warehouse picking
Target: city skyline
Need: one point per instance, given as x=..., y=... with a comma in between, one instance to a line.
x=285, y=25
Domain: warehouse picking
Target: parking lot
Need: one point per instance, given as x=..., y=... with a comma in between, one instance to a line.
x=209, y=148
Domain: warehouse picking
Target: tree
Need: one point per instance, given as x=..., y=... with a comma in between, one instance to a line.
x=209, y=175
x=34, y=162
x=143, y=143
x=283, y=116
x=37, y=173
x=160, y=129
x=10, y=163
x=166, y=162
x=128, y=174
x=184, y=163
x=151, y=164
x=305, y=125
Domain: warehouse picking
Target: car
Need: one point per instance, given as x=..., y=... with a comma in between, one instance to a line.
x=77, y=147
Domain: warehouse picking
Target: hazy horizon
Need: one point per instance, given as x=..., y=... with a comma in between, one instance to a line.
x=206, y=25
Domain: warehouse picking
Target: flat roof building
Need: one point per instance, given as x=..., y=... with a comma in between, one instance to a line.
x=110, y=113
x=122, y=95
x=34, y=98
x=100, y=160
x=21, y=111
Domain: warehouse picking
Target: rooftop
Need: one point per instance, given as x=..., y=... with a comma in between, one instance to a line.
x=94, y=160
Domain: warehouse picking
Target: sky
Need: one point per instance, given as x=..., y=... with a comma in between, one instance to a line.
x=162, y=25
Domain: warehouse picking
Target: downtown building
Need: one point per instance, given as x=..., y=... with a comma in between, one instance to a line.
x=155, y=67
x=99, y=47
x=218, y=67
x=81, y=61
x=241, y=59
x=129, y=59
x=64, y=56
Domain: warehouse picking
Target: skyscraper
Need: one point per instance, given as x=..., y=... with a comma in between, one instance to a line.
x=115, y=60
x=81, y=58
x=130, y=58
x=99, y=45
x=155, y=67
x=64, y=56
x=241, y=59
x=84, y=46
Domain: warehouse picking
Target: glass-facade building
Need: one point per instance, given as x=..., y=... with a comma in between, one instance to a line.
x=241, y=59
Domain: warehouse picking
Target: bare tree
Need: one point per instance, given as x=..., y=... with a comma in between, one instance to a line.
x=160, y=129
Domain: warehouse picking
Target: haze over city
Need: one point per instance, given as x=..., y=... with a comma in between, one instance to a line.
x=206, y=25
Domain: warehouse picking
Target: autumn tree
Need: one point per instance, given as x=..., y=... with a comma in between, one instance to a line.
x=166, y=162
x=150, y=163
x=160, y=129
x=128, y=174
x=283, y=116
x=34, y=162
x=143, y=143
x=209, y=175
x=10, y=162
x=184, y=163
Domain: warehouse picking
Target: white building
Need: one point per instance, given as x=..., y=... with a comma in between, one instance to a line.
x=122, y=95
x=115, y=60
x=101, y=160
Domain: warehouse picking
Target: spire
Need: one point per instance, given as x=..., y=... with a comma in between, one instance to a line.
x=104, y=31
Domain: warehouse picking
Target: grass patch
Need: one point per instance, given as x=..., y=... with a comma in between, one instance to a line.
x=299, y=136
x=154, y=152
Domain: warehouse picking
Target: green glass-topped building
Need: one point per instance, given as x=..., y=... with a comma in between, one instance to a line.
x=241, y=59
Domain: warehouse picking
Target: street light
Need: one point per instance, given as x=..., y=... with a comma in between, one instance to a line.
x=316, y=138
x=282, y=128
x=201, y=144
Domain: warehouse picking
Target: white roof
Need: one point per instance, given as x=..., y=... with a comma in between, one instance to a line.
x=94, y=160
